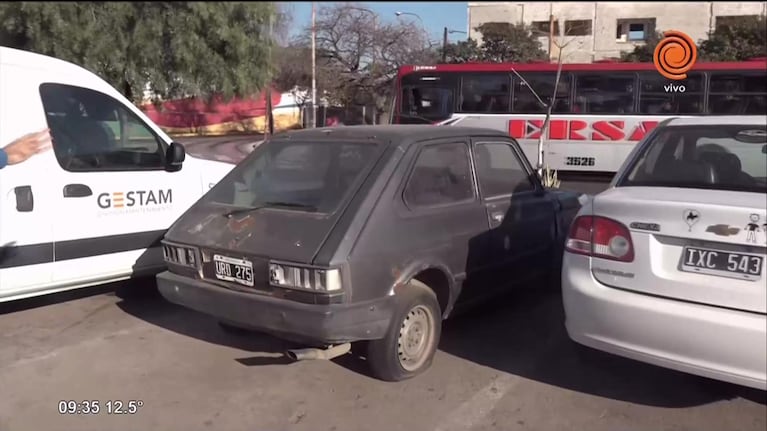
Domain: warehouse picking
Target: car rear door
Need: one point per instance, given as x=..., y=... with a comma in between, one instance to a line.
x=521, y=217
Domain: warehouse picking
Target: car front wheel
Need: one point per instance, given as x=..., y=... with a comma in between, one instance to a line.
x=409, y=346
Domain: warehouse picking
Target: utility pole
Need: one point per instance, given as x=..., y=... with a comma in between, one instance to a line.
x=551, y=35
x=444, y=46
x=314, y=68
x=269, y=119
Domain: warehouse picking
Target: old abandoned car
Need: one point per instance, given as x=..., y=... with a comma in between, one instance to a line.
x=667, y=265
x=366, y=233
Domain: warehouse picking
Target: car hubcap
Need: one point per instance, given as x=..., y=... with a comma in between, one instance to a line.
x=415, y=338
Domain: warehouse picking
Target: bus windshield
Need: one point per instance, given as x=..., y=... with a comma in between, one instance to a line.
x=426, y=99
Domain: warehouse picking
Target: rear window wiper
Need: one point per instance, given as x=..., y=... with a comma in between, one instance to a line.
x=270, y=204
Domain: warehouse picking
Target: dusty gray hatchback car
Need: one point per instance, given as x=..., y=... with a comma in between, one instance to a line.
x=366, y=233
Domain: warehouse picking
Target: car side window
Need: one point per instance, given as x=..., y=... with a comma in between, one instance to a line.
x=93, y=132
x=499, y=170
x=441, y=175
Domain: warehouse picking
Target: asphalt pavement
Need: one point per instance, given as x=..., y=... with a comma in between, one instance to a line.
x=504, y=367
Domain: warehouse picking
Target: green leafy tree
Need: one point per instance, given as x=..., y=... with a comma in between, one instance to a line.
x=175, y=49
x=501, y=43
x=465, y=51
x=744, y=39
x=509, y=43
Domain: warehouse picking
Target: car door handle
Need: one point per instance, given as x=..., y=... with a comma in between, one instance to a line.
x=77, y=191
x=25, y=200
x=497, y=217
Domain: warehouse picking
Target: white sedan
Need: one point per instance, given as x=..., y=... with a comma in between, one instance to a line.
x=667, y=265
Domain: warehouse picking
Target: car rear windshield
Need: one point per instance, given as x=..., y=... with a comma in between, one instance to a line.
x=299, y=176
x=716, y=157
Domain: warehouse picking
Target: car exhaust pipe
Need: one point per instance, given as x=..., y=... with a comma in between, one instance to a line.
x=326, y=354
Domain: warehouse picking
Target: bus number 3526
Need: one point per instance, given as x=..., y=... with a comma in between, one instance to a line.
x=579, y=161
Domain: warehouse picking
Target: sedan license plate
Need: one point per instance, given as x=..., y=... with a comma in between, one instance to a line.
x=722, y=263
x=233, y=270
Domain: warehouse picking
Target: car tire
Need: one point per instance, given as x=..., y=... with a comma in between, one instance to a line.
x=413, y=336
x=231, y=328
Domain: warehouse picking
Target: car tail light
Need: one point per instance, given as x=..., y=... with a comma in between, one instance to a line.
x=320, y=280
x=600, y=237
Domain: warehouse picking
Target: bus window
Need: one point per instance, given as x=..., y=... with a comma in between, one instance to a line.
x=607, y=93
x=742, y=93
x=653, y=98
x=486, y=93
x=542, y=84
x=425, y=104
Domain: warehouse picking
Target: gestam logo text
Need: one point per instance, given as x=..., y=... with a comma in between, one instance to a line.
x=134, y=198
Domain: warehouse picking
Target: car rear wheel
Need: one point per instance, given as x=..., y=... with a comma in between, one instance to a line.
x=411, y=341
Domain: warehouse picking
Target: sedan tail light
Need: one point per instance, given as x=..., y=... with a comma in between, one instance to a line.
x=600, y=237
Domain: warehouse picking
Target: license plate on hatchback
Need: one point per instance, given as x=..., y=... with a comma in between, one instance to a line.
x=233, y=270
x=722, y=263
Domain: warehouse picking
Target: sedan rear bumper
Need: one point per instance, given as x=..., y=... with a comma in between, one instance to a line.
x=717, y=343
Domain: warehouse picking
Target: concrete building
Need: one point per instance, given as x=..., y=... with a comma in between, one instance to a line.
x=600, y=30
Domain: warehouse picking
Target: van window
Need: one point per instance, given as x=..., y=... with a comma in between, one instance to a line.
x=442, y=175
x=300, y=176
x=93, y=132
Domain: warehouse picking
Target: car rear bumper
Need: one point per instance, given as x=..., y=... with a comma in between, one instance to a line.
x=713, y=342
x=305, y=323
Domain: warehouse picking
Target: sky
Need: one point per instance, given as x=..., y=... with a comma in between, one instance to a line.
x=435, y=16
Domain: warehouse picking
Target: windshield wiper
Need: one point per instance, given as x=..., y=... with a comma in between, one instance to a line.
x=270, y=204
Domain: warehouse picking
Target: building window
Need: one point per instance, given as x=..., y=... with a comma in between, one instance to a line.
x=729, y=20
x=637, y=31
x=581, y=27
x=634, y=30
x=544, y=27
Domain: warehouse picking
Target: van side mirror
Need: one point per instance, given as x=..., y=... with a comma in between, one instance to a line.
x=764, y=149
x=174, y=157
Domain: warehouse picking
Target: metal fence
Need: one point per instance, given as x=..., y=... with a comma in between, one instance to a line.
x=338, y=116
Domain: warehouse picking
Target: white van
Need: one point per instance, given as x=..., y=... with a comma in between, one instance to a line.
x=95, y=207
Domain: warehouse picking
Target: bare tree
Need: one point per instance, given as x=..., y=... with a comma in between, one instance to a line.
x=560, y=42
x=362, y=54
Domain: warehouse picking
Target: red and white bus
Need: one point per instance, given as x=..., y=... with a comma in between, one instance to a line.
x=601, y=110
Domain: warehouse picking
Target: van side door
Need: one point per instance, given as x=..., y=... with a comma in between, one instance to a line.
x=26, y=190
x=116, y=196
x=520, y=214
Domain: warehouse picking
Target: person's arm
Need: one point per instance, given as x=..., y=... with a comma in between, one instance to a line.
x=3, y=158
